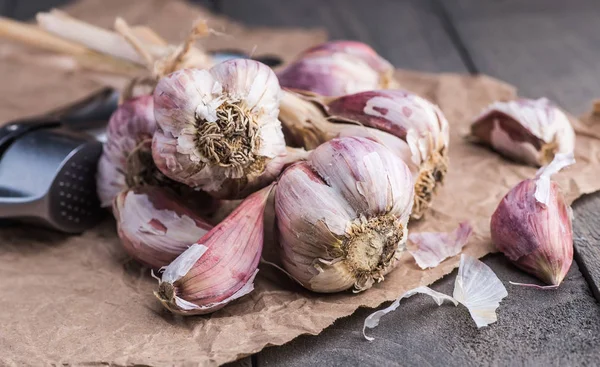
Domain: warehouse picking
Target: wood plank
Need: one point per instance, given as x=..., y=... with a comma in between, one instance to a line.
x=535, y=328
x=586, y=225
x=545, y=47
x=408, y=33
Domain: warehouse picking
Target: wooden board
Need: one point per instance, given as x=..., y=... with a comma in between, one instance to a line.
x=544, y=47
x=408, y=33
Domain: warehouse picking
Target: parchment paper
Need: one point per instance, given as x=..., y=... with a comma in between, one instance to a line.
x=79, y=300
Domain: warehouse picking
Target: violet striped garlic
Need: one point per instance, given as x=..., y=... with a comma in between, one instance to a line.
x=338, y=67
x=155, y=226
x=342, y=215
x=525, y=130
x=412, y=127
x=532, y=225
x=221, y=266
x=218, y=129
x=126, y=159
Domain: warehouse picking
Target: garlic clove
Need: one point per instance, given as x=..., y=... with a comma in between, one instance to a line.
x=338, y=68
x=218, y=129
x=479, y=290
x=525, y=130
x=155, y=226
x=435, y=247
x=342, y=215
x=223, y=262
x=125, y=156
x=532, y=226
x=418, y=122
x=372, y=321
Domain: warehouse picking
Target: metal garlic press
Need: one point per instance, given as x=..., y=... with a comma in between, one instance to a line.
x=48, y=165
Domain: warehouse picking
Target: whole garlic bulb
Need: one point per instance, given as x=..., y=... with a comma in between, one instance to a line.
x=127, y=154
x=155, y=226
x=412, y=127
x=342, y=215
x=221, y=266
x=218, y=129
x=338, y=67
x=528, y=131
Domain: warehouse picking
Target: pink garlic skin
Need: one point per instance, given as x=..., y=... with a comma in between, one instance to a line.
x=525, y=130
x=231, y=261
x=395, y=112
x=346, y=183
x=132, y=123
x=337, y=68
x=537, y=238
x=155, y=226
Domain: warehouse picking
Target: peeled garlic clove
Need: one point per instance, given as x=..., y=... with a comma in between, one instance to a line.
x=155, y=226
x=126, y=153
x=221, y=266
x=418, y=122
x=532, y=227
x=528, y=131
x=219, y=129
x=337, y=68
x=435, y=247
x=342, y=215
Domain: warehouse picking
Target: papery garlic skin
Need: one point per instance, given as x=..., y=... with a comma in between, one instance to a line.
x=127, y=150
x=418, y=122
x=537, y=237
x=221, y=266
x=342, y=215
x=525, y=130
x=219, y=129
x=338, y=67
x=155, y=226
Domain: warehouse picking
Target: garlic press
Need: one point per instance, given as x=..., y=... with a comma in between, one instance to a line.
x=48, y=165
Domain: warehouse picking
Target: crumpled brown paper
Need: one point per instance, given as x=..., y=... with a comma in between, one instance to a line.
x=80, y=300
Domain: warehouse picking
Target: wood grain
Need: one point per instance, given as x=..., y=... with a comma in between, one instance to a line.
x=408, y=33
x=544, y=47
x=586, y=226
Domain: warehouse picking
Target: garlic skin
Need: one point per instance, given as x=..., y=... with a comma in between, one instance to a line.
x=525, y=130
x=221, y=266
x=338, y=67
x=536, y=237
x=218, y=129
x=129, y=131
x=155, y=226
x=418, y=122
x=342, y=215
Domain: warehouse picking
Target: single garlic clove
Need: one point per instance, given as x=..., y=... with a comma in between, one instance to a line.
x=221, y=266
x=126, y=153
x=337, y=68
x=342, y=215
x=525, y=130
x=155, y=226
x=532, y=226
x=219, y=129
x=418, y=122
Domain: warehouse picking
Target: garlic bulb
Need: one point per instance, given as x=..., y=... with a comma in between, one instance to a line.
x=342, y=215
x=338, y=67
x=528, y=131
x=412, y=127
x=155, y=226
x=221, y=266
x=532, y=225
x=218, y=128
x=126, y=159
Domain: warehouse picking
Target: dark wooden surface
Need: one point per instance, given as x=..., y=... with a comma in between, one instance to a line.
x=544, y=47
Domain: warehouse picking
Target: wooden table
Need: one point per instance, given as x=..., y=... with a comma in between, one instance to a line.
x=544, y=47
